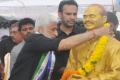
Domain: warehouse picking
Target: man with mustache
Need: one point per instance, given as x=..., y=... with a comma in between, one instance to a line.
x=7, y=44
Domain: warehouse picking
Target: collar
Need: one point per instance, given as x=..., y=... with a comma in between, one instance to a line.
x=60, y=32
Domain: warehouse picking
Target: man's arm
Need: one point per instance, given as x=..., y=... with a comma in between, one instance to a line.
x=37, y=42
x=82, y=37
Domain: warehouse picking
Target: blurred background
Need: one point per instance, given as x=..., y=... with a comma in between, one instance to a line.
x=17, y=9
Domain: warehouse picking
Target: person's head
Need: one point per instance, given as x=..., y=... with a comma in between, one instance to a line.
x=26, y=26
x=47, y=26
x=113, y=20
x=12, y=22
x=94, y=16
x=67, y=12
x=15, y=34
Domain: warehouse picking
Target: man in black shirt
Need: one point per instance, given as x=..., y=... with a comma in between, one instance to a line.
x=35, y=45
x=68, y=26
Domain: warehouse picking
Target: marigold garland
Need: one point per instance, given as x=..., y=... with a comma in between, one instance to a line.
x=90, y=63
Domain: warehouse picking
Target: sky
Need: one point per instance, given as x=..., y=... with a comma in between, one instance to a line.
x=49, y=2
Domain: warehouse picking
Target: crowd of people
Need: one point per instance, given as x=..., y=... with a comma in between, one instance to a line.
x=46, y=49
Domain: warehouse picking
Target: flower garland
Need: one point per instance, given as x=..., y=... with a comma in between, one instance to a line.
x=90, y=63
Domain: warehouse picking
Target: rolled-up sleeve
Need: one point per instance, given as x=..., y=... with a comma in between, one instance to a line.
x=41, y=43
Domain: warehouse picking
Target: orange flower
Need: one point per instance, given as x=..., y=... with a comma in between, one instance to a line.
x=68, y=73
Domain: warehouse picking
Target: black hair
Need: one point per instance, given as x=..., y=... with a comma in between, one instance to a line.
x=12, y=22
x=4, y=37
x=111, y=17
x=3, y=22
x=26, y=21
x=66, y=2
